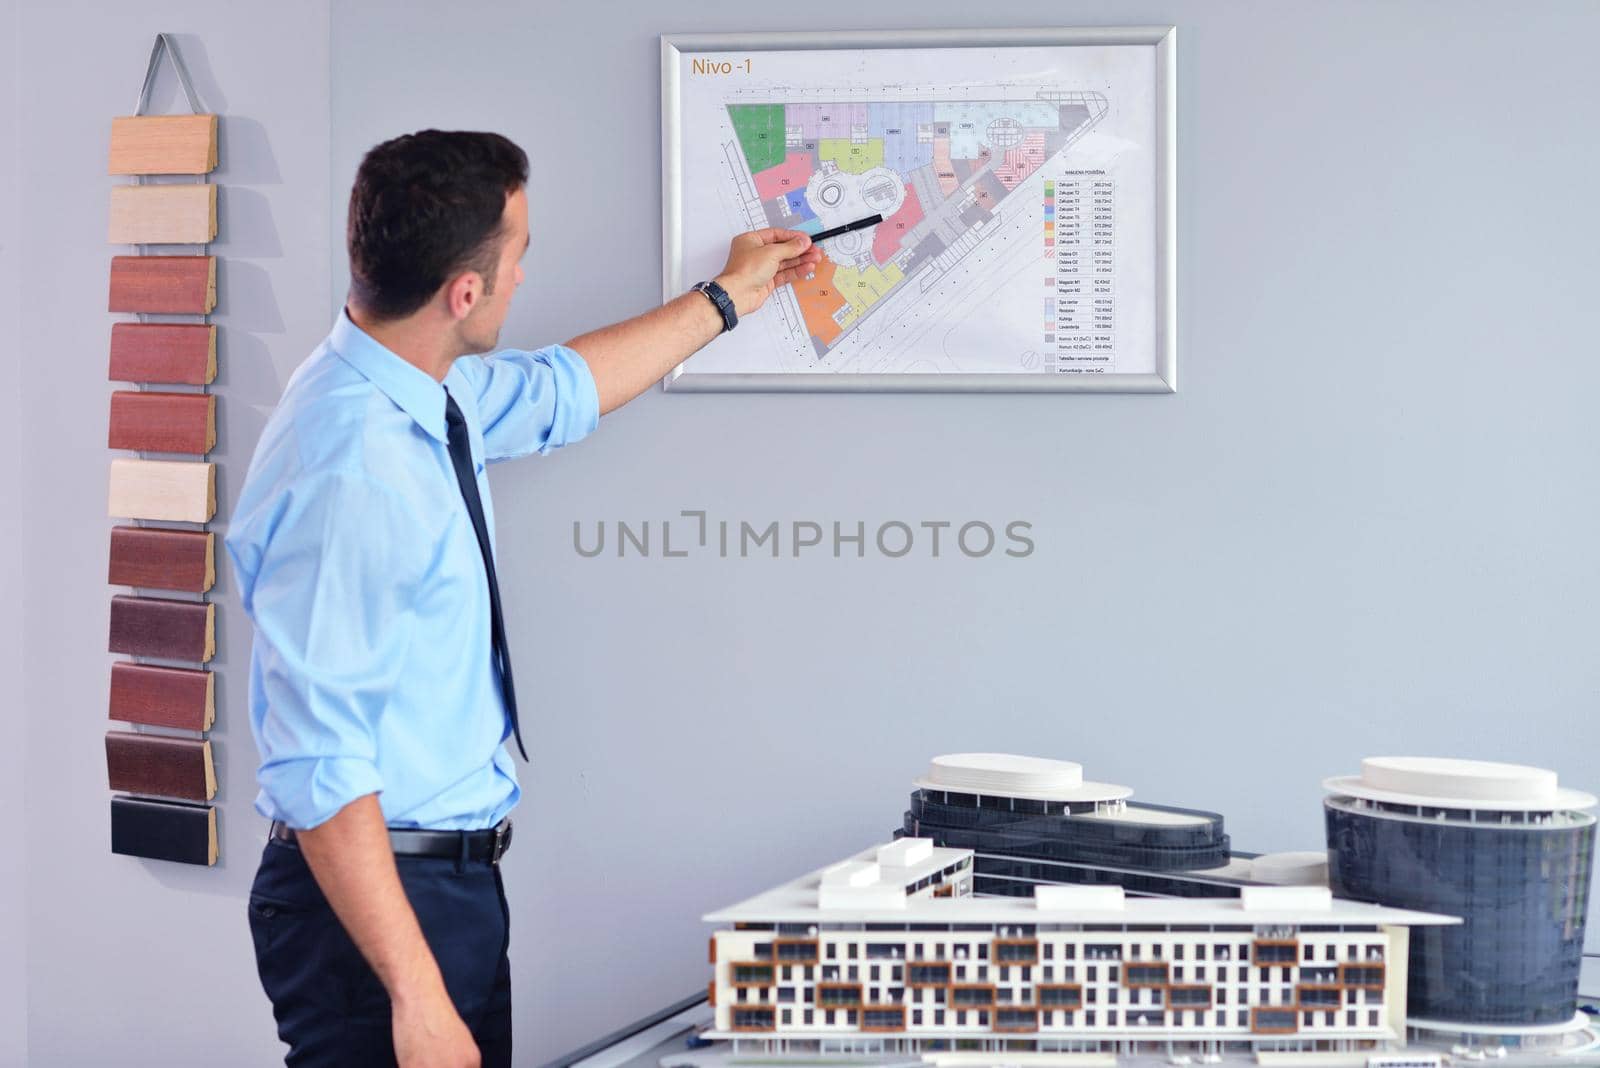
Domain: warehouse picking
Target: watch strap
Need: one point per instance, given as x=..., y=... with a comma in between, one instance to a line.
x=722, y=302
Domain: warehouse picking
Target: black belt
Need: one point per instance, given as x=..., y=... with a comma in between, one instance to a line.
x=486, y=845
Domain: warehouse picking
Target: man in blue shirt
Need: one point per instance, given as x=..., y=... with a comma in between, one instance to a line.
x=381, y=689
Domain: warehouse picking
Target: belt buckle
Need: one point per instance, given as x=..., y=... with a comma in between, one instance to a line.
x=501, y=841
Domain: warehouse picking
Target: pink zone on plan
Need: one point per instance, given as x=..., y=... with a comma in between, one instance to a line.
x=790, y=176
x=888, y=234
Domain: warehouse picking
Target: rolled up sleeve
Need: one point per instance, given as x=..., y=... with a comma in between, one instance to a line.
x=329, y=589
x=532, y=401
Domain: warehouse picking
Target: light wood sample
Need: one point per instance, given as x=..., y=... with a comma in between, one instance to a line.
x=173, y=490
x=163, y=696
x=163, y=284
x=163, y=214
x=156, y=421
x=166, y=353
x=160, y=559
x=163, y=144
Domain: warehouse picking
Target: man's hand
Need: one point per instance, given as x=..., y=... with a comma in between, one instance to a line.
x=428, y=1033
x=626, y=357
x=350, y=857
x=761, y=261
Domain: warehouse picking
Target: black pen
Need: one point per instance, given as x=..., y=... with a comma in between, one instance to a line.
x=859, y=224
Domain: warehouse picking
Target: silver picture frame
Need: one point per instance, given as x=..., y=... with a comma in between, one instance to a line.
x=1163, y=39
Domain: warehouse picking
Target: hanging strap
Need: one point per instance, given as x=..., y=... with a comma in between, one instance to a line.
x=165, y=44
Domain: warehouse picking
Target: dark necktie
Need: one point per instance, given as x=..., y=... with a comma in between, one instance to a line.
x=461, y=459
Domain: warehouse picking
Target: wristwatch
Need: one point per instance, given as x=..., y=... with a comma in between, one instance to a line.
x=724, y=303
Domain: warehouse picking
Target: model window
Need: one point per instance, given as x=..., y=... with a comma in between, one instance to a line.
x=938, y=1017
x=1243, y=1018
x=855, y=951
x=1088, y=1018
x=1093, y=973
x=983, y=951
x=874, y=973
x=1113, y=995
x=786, y=993
x=808, y=1015
x=1049, y=950
x=1177, y=952
x=1350, y=1019
x=916, y=1017
x=833, y=951
x=855, y=971
x=1372, y=1018
x=1330, y=953
x=1094, y=994
x=1307, y=953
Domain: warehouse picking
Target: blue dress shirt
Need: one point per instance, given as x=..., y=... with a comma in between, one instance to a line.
x=357, y=562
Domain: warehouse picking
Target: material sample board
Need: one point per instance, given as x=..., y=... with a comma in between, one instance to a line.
x=163, y=144
x=162, y=696
x=157, y=764
x=164, y=830
x=163, y=214
x=156, y=626
x=171, y=285
x=156, y=558
x=174, y=490
x=164, y=353
x=163, y=422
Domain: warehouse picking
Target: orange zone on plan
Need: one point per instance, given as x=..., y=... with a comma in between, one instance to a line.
x=819, y=300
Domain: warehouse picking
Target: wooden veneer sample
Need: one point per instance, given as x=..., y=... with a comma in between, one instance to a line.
x=178, y=353
x=171, y=285
x=159, y=559
x=163, y=422
x=163, y=214
x=163, y=696
x=163, y=144
x=164, y=830
x=157, y=626
x=173, y=490
x=157, y=764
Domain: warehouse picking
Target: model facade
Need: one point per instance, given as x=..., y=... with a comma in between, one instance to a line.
x=1503, y=847
x=888, y=951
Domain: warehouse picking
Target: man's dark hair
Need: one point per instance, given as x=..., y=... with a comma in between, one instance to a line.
x=425, y=206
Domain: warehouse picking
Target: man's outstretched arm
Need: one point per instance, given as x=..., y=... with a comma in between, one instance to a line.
x=626, y=357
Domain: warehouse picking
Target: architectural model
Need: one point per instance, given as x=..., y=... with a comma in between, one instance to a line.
x=1025, y=915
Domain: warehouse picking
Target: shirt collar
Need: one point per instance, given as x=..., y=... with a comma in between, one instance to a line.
x=412, y=389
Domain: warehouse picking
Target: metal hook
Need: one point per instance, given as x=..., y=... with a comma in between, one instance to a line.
x=165, y=43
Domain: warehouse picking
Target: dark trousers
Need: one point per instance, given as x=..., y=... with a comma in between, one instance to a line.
x=330, y=1007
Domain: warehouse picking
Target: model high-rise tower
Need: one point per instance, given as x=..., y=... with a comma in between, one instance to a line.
x=1502, y=846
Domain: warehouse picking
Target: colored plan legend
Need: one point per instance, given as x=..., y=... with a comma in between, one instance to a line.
x=1080, y=232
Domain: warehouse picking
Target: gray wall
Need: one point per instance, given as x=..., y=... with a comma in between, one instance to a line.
x=1364, y=525
x=129, y=961
x=13, y=915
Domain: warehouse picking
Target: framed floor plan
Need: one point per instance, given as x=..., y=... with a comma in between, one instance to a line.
x=1025, y=180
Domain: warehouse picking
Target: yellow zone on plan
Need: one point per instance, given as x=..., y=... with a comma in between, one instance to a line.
x=851, y=156
x=863, y=287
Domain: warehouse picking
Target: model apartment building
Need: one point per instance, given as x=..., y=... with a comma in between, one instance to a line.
x=888, y=951
x=1020, y=909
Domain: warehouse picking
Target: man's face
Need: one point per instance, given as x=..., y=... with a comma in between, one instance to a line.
x=480, y=330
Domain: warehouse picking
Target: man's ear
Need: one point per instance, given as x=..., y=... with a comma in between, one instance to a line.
x=462, y=293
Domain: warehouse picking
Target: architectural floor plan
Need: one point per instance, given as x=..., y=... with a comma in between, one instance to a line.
x=1017, y=196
